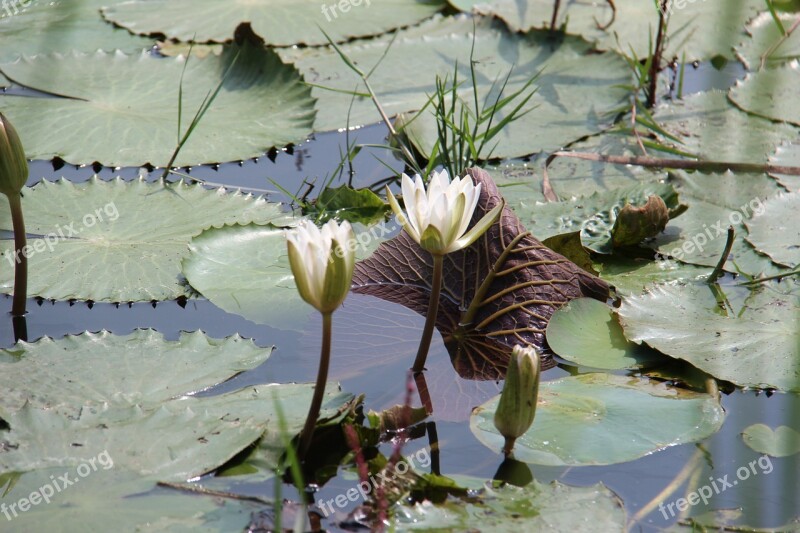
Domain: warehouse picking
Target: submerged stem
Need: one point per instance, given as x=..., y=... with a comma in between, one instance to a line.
x=430, y=318
x=20, y=258
x=319, y=388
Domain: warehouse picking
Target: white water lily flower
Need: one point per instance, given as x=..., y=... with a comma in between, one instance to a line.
x=438, y=218
x=322, y=262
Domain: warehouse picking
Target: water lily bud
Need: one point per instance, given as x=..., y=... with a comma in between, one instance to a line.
x=13, y=165
x=322, y=262
x=437, y=218
x=634, y=224
x=517, y=407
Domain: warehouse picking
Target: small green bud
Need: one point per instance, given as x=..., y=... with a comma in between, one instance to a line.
x=517, y=406
x=13, y=165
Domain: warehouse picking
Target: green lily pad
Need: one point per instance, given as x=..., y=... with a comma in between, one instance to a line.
x=594, y=215
x=757, y=347
x=586, y=331
x=154, y=431
x=776, y=231
x=119, y=241
x=767, y=45
x=36, y=27
x=782, y=442
x=713, y=129
x=278, y=22
x=766, y=93
x=245, y=270
x=578, y=416
x=569, y=102
x=787, y=154
x=700, y=29
x=122, y=110
x=100, y=498
x=630, y=275
x=88, y=369
x=717, y=201
x=537, y=506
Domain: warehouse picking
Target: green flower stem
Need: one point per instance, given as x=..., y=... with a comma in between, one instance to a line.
x=508, y=446
x=20, y=258
x=430, y=318
x=319, y=388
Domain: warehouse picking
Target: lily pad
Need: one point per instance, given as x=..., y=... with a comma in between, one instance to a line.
x=630, y=274
x=245, y=270
x=101, y=368
x=68, y=401
x=569, y=103
x=578, y=416
x=538, y=506
x=700, y=29
x=133, y=100
x=758, y=347
x=36, y=27
x=767, y=46
x=278, y=22
x=713, y=129
x=783, y=441
x=586, y=331
x=765, y=93
x=787, y=154
x=776, y=231
x=120, y=241
x=99, y=497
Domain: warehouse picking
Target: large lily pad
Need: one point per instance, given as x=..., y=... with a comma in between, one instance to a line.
x=631, y=274
x=700, y=29
x=36, y=27
x=578, y=416
x=530, y=285
x=278, y=22
x=113, y=497
x=576, y=88
x=586, y=331
x=119, y=241
x=767, y=92
x=787, y=154
x=554, y=507
x=776, y=231
x=141, y=427
x=122, y=110
x=757, y=347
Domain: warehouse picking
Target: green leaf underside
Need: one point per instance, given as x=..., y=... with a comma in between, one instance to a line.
x=567, y=103
x=125, y=501
x=776, y=231
x=585, y=331
x=700, y=29
x=278, y=22
x=783, y=441
x=67, y=417
x=537, y=506
x=757, y=347
x=577, y=415
x=58, y=25
x=535, y=281
x=130, y=236
x=133, y=99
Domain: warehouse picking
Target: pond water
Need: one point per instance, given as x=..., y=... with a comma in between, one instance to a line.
x=374, y=343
